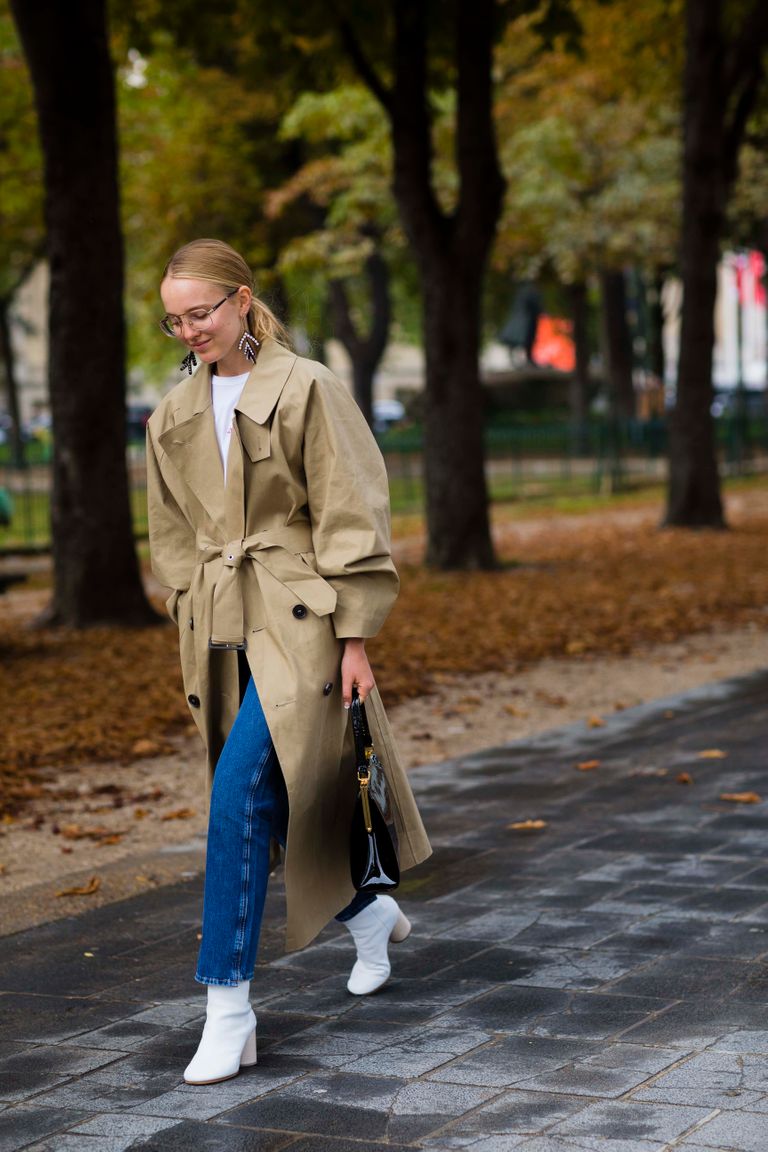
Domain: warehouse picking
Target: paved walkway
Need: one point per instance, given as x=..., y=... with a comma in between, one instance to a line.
x=600, y=985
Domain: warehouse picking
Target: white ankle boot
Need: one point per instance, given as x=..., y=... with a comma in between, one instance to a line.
x=372, y=929
x=228, y=1042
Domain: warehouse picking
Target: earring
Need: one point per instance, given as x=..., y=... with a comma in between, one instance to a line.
x=249, y=346
x=189, y=362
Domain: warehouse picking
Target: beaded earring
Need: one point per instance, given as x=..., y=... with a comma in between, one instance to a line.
x=189, y=362
x=249, y=346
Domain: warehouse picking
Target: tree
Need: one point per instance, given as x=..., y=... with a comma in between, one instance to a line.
x=96, y=573
x=345, y=178
x=590, y=151
x=723, y=74
x=451, y=244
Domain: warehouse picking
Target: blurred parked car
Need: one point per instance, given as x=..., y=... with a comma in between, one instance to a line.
x=136, y=417
x=729, y=403
x=386, y=413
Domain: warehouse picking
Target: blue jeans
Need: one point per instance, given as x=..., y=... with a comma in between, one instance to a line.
x=249, y=806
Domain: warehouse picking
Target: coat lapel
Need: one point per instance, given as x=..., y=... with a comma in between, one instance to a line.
x=260, y=395
x=191, y=444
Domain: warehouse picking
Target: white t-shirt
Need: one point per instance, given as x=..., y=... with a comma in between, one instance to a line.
x=225, y=393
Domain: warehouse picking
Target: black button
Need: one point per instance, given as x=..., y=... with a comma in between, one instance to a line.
x=191, y=624
x=299, y=611
x=327, y=689
x=194, y=701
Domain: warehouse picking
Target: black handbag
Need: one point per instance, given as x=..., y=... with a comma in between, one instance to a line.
x=373, y=858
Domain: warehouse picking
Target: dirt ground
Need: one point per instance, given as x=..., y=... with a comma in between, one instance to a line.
x=89, y=819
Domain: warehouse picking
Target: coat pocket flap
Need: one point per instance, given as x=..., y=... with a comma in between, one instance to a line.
x=254, y=437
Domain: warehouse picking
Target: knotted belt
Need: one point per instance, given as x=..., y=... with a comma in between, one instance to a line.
x=275, y=551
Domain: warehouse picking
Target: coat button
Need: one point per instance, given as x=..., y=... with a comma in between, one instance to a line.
x=299, y=611
x=328, y=688
x=194, y=701
x=191, y=624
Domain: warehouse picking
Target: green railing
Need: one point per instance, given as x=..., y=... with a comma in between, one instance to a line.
x=524, y=462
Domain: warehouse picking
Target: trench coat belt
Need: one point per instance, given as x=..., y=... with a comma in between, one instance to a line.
x=276, y=551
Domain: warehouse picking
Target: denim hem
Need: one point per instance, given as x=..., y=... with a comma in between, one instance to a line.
x=231, y=983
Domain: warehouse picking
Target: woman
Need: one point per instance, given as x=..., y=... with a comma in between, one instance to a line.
x=269, y=520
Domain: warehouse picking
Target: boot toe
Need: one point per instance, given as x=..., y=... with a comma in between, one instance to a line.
x=363, y=980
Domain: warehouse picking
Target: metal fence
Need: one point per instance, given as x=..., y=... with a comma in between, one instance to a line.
x=523, y=463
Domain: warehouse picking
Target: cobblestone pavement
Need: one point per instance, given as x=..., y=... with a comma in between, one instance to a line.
x=599, y=985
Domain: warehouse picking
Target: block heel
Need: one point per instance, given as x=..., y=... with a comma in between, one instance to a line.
x=401, y=930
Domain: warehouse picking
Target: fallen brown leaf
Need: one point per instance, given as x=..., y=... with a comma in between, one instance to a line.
x=145, y=747
x=76, y=832
x=178, y=814
x=116, y=838
x=550, y=698
x=155, y=793
x=712, y=754
x=588, y=765
x=88, y=889
x=595, y=722
x=527, y=825
x=684, y=778
x=741, y=797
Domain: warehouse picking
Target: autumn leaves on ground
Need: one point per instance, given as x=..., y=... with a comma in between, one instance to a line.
x=571, y=586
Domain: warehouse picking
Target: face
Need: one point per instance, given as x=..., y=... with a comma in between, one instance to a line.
x=219, y=341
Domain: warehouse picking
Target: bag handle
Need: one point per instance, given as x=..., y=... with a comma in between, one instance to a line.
x=360, y=730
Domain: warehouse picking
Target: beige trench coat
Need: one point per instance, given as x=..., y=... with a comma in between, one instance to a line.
x=291, y=557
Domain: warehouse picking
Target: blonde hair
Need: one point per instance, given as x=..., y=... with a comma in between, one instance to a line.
x=220, y=264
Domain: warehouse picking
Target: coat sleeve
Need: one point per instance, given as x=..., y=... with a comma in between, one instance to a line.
x=348, y=497
x=171, y=536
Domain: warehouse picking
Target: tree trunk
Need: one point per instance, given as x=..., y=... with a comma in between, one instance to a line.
x=96, y=572
x=578, y=390
x=654, y=297
x=11, y=386
x=694, y=483
x=451, y=253
x=454, y=454
x=722, y=78
x=617, y=343
x=451, y=250
x=365, y=352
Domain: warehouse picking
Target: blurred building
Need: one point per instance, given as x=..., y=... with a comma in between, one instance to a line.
x=740, y=356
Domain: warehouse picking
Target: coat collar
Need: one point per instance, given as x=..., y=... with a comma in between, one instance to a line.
x=190, y=442
x=266, y=381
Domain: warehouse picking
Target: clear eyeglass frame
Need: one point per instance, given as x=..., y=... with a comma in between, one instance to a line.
x=199, y=319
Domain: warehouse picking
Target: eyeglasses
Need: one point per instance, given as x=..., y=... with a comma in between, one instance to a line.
x=199, y=319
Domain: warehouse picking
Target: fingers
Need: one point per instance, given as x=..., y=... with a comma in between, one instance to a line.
x=349, y=681
x=355, y=671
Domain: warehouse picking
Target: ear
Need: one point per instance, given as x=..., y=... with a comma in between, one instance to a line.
x=244, y=298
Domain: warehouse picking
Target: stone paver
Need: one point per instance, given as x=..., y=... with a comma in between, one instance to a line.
x=599, y=986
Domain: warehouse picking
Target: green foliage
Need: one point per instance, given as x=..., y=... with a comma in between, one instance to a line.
x=590, y=142
x=21, y=179
x=747, y=213
x=188, y=168
x=346, y=176
x=345, y=179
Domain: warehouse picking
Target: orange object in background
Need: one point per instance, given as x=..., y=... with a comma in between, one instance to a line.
x=553, y=346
